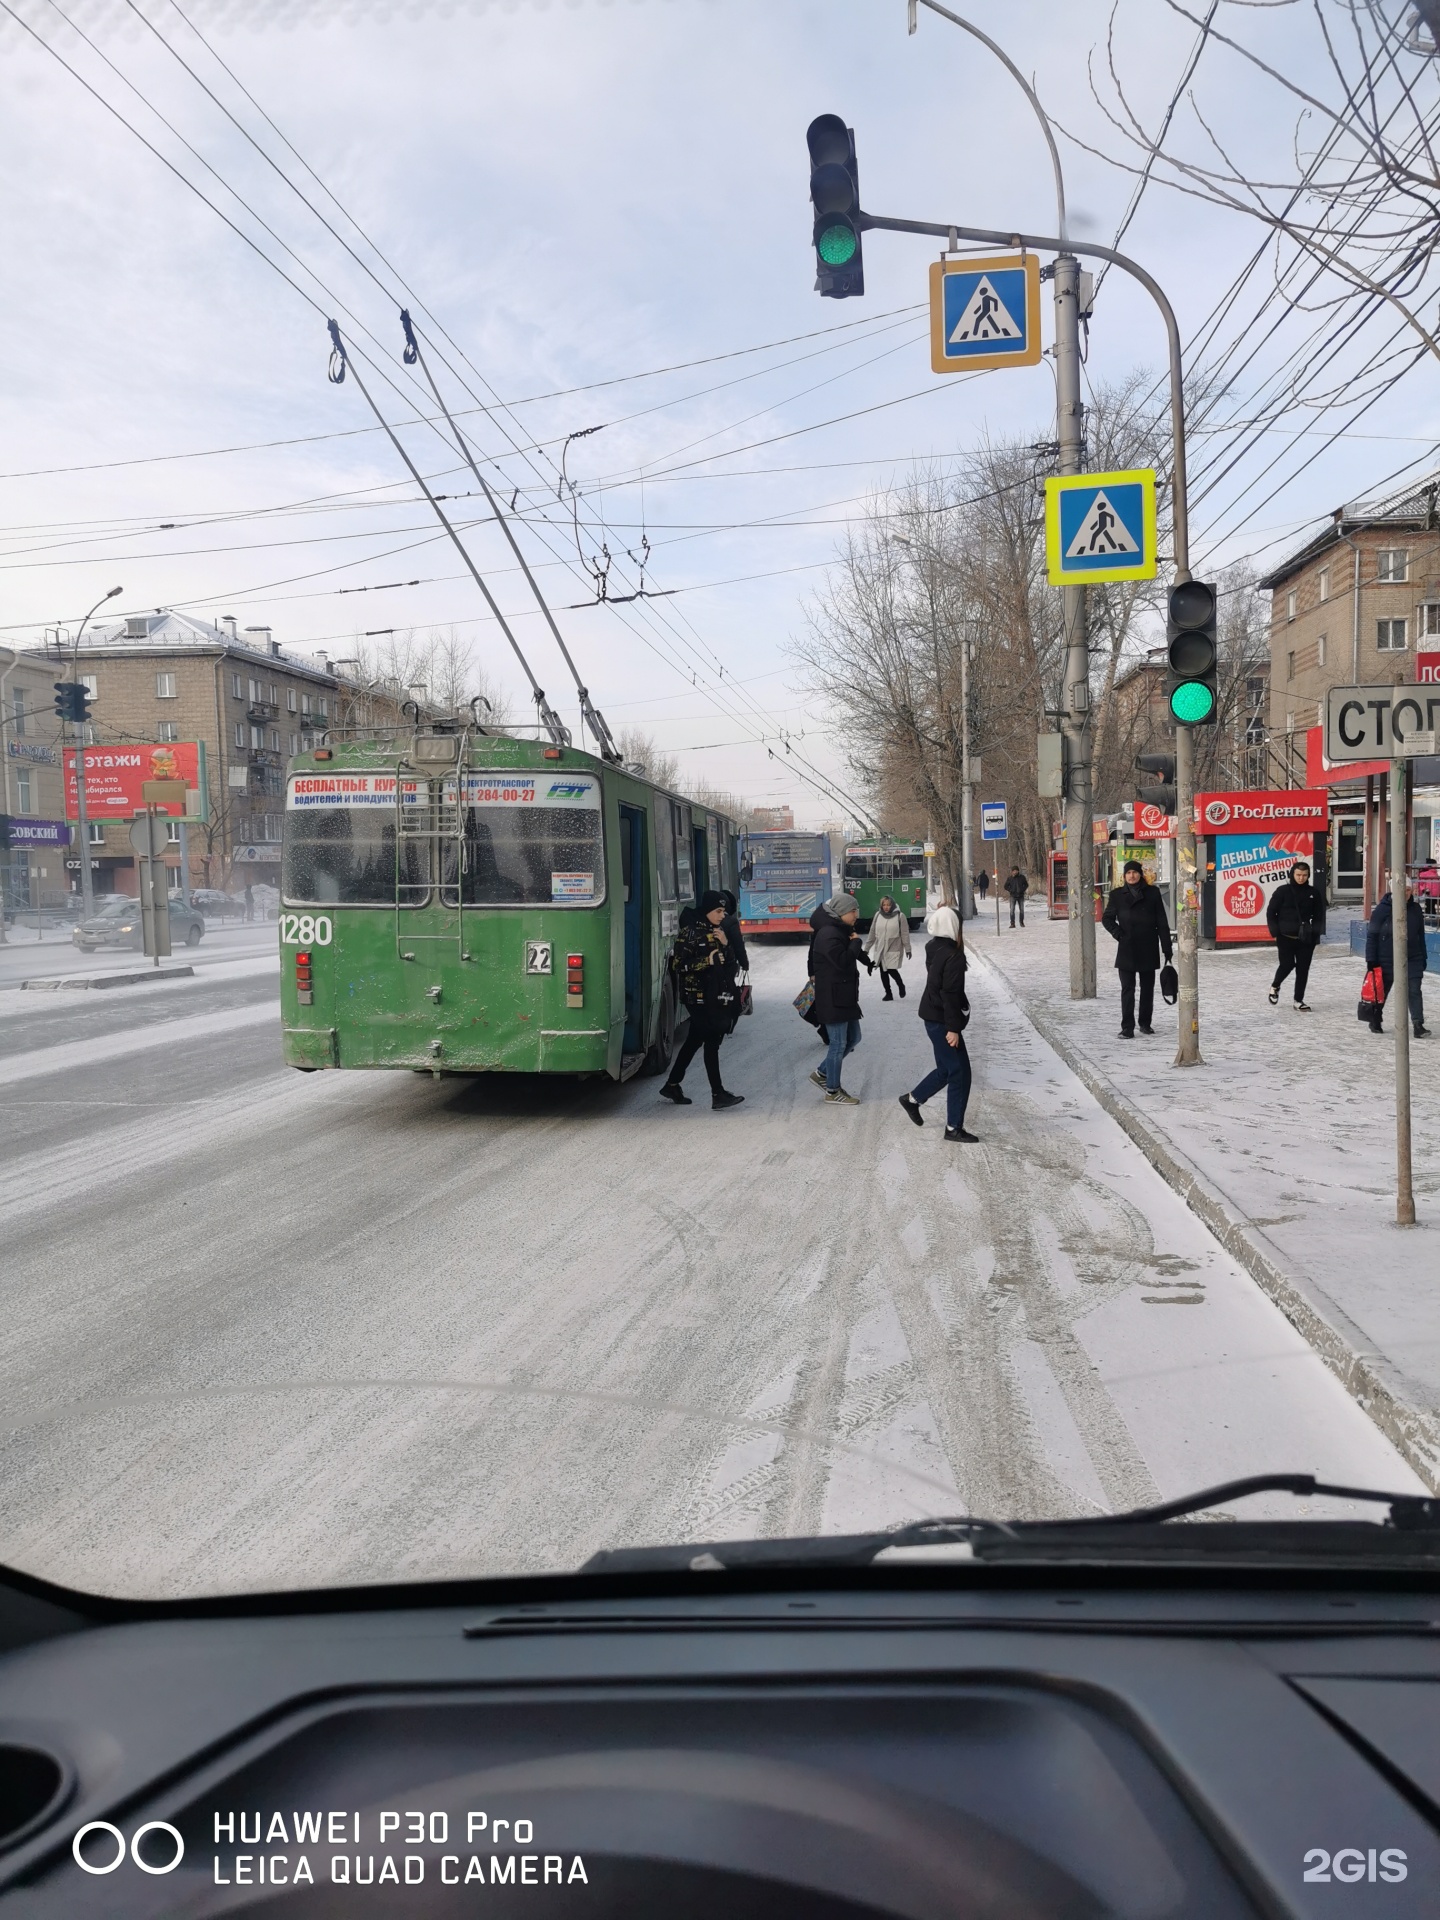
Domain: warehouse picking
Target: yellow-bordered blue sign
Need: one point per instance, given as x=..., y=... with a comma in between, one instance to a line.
x=1100, y=526
x=985, y=313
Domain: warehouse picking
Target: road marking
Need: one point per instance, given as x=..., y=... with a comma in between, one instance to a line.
x=75, y=1055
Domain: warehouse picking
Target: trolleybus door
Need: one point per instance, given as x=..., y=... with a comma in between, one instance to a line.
x=633, y=868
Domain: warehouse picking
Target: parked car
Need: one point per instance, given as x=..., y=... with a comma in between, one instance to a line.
x=118, y=924
x=216, y=905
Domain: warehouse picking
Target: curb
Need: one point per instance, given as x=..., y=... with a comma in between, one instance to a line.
x=59, y=982
x=1367, y=1376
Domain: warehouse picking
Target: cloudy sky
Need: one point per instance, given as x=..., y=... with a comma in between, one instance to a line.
x=599, y=213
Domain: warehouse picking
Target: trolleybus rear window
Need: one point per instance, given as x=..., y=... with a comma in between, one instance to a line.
x=531, y=840
x=339, y=847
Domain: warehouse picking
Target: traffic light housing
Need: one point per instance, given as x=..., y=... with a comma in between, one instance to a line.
x=1193, y=647
x=72, y=701
x=1163, y=794
x=835, y=193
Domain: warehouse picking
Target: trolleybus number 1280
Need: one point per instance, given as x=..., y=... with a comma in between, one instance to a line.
x=305, y=929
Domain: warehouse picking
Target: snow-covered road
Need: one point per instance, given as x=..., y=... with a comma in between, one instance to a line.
x=272, y=1329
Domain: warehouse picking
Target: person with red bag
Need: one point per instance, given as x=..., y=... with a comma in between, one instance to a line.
x=1380, y=958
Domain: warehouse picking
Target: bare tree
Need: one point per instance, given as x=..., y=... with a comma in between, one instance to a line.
x=638, y=749
x=438, y=669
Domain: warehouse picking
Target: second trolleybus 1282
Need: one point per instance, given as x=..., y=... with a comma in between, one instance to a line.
x=455, y=901
x=784, y=876
x=881, y=866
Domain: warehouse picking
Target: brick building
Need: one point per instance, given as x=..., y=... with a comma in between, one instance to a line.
x=1351, y=608
x=167, y=677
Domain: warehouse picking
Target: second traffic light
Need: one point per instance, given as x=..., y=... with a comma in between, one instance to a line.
x=72, y=701
x=1162, y=765
x=1194, y=692
x=835, y=192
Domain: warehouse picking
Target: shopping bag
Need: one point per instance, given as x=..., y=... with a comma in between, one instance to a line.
x=805, y=1002
x=747, y=996
x=1169, y=985
x=1372, y=995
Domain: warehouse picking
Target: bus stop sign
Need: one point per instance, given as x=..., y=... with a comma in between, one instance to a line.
x=994, y=824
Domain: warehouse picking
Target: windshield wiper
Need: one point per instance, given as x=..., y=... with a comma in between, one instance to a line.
x=1409, y=1531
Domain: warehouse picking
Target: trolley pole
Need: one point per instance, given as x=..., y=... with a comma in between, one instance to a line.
x=1079, y=793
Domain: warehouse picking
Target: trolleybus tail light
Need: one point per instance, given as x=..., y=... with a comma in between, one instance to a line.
x=550, y=753
x=303, y=991
x=323, y=753
x=575, y=980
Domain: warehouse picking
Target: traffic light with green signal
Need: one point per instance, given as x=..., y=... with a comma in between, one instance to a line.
x=835, y=192
x=1190, y=636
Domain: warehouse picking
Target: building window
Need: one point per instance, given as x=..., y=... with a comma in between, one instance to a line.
x=257, y=739
x=237, y=687
x=172, y=832
x=22, y=784
x=1290, y=665
x=1320, y=651
x=1429, y=616
x=91, y=683
x=97, y=833
x=1390, y=636
x=290, y=700
x=254, y=693
x=1324, y=583
x=322, y=707
x=1392, y=563
x=1290, y=604
x=274, y=739
x=18, y=700
x=169, y=729
x=166, y=687
x=272, y=694
x=240, y=735
x=294, y=743
x=305, y=706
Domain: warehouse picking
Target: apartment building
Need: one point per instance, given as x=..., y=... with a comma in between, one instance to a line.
x=1352, y=607
x=168, y=677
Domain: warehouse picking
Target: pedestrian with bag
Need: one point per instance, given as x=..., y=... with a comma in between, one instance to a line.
x=1296, y=919
x=1135, y=919
x=836, y=956
x=946, y=1013
x=706, y=975
x=888, y=944
x=982, y=885
x=1380, y=952
x=1017, y=886
x=739, y=956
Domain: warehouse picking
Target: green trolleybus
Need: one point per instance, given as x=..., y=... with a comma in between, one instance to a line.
x=874, y=868
x=460, y=902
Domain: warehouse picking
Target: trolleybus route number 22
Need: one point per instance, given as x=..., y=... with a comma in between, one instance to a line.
x=305, y=929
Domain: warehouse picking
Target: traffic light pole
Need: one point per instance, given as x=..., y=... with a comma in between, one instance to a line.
x=1188, y=917
x=1079, y=741
x=82, y=828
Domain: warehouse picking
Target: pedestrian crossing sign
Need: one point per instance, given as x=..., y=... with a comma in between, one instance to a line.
x=1100, y=526
x=984, y=313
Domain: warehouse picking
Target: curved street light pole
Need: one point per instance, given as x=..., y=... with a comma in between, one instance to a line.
x=82, y=824
x=1070, y=446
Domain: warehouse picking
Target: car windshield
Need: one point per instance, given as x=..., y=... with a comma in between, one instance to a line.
x=527, y=593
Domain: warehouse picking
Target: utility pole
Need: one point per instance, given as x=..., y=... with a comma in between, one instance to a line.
x=1079, y=745
x=967, y=788
x=82, y=824
x=1400, y=948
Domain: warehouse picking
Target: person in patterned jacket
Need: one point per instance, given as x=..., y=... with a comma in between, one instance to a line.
x=705, y=970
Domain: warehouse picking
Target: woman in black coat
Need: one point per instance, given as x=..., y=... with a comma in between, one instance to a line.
x=705, y=970
x=836, y=956
x=1296, y=919
x=946, y=1013
x=1135, y=918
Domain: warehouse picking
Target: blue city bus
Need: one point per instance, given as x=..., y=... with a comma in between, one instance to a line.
x=784, y=876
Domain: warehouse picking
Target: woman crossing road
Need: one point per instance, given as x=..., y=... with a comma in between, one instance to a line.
x=946, y=1013
x=888, y=945
x=706, y=972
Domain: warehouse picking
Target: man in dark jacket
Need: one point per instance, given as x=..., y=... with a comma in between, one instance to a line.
x=946, y=1012
x=1380, y=952
x=836, y=954
x=1296, y=919
x=1134, y=917
x=1017, y=886
x=707, y=986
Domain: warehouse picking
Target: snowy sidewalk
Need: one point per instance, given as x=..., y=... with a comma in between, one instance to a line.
x=1284, y=1142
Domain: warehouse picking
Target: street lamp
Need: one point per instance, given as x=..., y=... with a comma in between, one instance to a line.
x=967, y=785
x=82, y=824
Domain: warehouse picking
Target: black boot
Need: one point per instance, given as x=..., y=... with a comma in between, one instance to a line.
x=670, y=1091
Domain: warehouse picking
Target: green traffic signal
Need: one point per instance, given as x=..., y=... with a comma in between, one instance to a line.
x=836, y=245
x=1192, y=702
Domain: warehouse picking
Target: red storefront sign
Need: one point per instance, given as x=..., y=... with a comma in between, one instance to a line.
x=1274, y=810
x=1427, y=669
x=1319, y=771
x=115, y=777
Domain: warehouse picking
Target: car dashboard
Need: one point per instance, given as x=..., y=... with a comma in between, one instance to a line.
x=898, y=1744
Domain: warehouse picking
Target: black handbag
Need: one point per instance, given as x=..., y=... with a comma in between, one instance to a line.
x=1169, y=984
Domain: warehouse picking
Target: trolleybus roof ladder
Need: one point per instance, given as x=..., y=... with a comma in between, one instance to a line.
x=433, y=823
